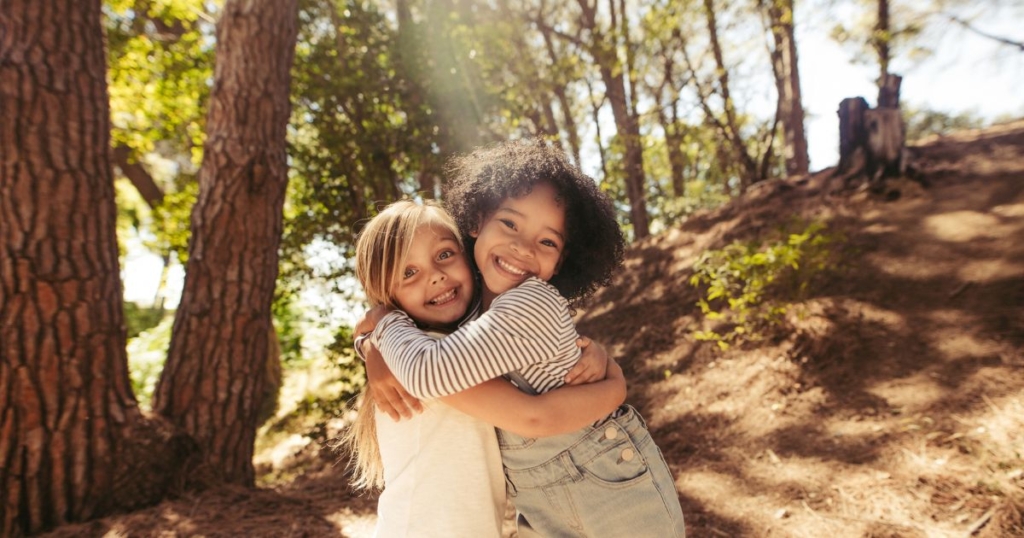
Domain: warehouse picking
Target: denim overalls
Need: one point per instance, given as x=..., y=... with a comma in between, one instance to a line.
x=604, y=480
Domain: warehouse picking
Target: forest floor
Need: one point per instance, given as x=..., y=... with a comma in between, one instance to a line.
x=889, y=403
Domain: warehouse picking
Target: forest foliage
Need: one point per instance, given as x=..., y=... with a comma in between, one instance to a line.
x=384, y=93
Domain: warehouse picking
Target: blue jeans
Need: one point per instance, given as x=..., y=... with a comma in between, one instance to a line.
x=604, y=480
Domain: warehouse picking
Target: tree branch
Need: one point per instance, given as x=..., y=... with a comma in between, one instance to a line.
x=137, y=174
x=998, y=39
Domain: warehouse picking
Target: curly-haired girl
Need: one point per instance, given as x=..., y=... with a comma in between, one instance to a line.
x=542, y=236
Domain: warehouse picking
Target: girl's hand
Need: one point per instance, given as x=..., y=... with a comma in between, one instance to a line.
x=370, y=319
x=615, y=371
x=389, y=395
x=592, y=366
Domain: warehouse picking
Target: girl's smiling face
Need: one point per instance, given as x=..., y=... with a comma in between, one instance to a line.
x=435, y=285
x=523, y=237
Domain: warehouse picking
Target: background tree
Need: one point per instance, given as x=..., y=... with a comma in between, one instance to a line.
x=786, y=69
x=73, y=444
x=609, y=45
x=218, y=352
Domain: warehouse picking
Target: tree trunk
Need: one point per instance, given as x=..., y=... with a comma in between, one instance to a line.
x=595, y=116
x=787, y=83
x=730, y=129
x=675, y=130
x=881, y=39
x=674, y=137
x=889, y=91
x=216, y=363
x=627, y=125
x=68, y=418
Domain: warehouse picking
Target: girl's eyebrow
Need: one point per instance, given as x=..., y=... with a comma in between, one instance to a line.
x=518, y=214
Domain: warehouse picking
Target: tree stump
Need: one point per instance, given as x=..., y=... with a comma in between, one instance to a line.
x=852, y=136
x=885, y=139
x=871, y=140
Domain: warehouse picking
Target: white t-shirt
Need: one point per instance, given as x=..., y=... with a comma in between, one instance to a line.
x=442, y=476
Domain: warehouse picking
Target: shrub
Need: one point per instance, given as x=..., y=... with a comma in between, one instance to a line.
x=748, y=286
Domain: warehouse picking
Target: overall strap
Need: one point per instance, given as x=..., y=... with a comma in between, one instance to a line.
x=518, y=380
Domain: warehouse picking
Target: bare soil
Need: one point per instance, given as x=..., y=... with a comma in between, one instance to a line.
x=889, y=404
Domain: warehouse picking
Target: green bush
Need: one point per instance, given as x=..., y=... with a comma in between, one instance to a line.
x=139, y=318
x=341, y=355
x=749, y=285
x=147, y=353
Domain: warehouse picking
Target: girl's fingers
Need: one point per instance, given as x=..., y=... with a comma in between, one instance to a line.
x=387, y=407
x=576, y=374
x=413, y=403
x=390, y=401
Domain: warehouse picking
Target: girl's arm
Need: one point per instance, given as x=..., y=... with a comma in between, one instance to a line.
x=387, y=392
x=392, y=398
x=561, y=410
x=526, y=325
x=382, y=385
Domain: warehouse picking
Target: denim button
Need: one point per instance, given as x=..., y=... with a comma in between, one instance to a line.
x=627, y=454
x=611, y=432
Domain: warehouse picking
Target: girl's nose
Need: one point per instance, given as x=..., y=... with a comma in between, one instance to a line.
x=439, y=277
x=522, y=250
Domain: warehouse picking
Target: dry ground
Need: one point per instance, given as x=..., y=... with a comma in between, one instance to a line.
x=891, y=406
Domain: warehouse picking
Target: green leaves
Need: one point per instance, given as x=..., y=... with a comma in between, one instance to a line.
x=747, y=286
x=161, y=65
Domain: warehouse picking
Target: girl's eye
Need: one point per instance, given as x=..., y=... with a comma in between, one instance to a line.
x=445, y=255
x=508, y=224
x=549, y=243
x=409, y=272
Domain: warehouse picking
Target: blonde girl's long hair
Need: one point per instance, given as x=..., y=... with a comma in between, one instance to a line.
x=381, y=250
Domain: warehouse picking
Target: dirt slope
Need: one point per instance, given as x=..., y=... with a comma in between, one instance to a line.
x=892, y=405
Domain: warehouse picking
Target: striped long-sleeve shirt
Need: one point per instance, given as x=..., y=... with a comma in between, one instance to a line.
x=528, y=328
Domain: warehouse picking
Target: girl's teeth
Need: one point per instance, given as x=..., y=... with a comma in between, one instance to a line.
x=444, y=298
x=509, y=268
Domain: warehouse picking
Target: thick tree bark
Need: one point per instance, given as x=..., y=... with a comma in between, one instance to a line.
x=216, y=364
x=787, y=83
x=626, y=123
x=70, y=428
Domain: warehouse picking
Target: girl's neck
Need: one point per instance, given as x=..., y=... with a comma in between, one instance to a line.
x=486, y=298
x=445, y=329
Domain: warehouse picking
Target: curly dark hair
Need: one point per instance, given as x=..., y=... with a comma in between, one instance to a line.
x=479, y=181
